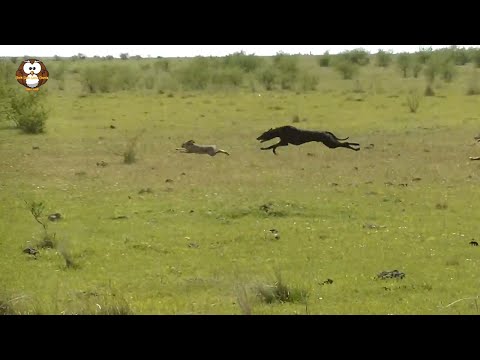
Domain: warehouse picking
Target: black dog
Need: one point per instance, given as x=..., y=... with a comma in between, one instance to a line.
x=291, y=135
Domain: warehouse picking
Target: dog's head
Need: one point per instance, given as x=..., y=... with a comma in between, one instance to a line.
x=188, y=143
x=268, y=135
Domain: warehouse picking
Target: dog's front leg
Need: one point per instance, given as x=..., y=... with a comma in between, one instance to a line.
x=274, y=146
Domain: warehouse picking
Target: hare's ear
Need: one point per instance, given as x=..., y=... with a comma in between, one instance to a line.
x=191, y=142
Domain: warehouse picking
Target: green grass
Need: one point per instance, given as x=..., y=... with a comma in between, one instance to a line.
x=200, y=244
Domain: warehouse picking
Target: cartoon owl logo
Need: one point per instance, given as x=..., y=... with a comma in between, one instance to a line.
x=32, y=74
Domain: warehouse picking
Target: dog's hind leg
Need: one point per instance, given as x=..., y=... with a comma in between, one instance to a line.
x=336, y=138
x=222, y=151
x=349, y=146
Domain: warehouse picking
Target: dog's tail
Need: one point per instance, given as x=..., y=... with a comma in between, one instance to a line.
x=336, y=138
x=222, y=151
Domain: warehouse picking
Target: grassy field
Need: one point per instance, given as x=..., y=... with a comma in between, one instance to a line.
x=177, y=233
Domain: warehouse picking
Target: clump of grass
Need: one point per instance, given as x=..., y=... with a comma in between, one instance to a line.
x=9, y=305
x=441, y=206
x=281, y=292
x=117, y=307
x=243, y=300
x=6, y=307
x=452, y=262
x=130, y=153
x=413, y=101
x=147, y=191
x=93, y=302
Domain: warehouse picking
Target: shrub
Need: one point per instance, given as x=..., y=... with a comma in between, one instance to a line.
x=130, y=153
x=383, y=58
x=195, y=74
x=347, y=69
x=475, y=54
x=431, y=70
x=416, y=68
x=324, y=60
x=447, y=71
x=97, y=78
x=403, y=62
x=232, y=76
x=460, y=56
x=247, y=63
x=287, y=67
x=281, y=292
x=27, y=111
x=308, y=81
x=473, y=87
x=267, y=78
x=424, y=55
x=413, y=101
x=357, y=56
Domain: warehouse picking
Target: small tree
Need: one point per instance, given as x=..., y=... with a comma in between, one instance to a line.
x=357, y=56
x=416, y=68
x=460, y=56
x=447, y=71
x=424, y=55
x=124, y=56
x=383, y=58
x=403, y=62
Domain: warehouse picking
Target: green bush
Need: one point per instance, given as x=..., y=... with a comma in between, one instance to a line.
x=324, y=60
x=424, y=55
x=475, y=54
x=432, y=68
x=403, y=62
x=416, y=67
x=27, y=111
x=267, y=78
x=383, y=58
x=357, y=56
x=347, y=69
x=247, y=63
x=308, y=81
x=97, y=78
x=287, y=68
x=447, y=71
x=232, y=76
x=196, y=73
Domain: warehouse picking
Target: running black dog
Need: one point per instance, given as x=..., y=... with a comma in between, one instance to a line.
x=291, y=135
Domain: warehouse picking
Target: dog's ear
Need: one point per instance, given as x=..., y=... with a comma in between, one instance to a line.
x=191, y=142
